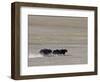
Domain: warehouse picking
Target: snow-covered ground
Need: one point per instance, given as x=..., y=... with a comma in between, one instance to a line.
x=35, y=55
x=50, y=55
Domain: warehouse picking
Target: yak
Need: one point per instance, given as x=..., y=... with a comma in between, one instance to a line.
x=59, y=52
x=49, y=52
x=46, y=52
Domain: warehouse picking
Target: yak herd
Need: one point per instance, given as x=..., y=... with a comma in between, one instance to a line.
x=49, y=52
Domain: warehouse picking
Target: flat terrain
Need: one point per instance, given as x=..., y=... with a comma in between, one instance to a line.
x=76, y=55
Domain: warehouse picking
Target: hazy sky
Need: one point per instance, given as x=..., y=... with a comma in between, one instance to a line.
x=53, y=29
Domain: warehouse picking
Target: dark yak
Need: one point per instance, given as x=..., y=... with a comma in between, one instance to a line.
x=46, y=52
x=59, y=52
x=63, y=51
x=56, y=51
